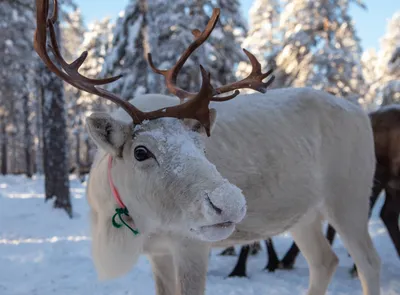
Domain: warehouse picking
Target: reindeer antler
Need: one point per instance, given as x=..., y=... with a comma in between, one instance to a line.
x=253, y=81
x=196, y=108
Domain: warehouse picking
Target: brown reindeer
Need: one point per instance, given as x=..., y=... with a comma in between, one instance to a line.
x=386, y=127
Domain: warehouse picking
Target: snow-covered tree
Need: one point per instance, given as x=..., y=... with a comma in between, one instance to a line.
x=314, y=45
x=369, y=61
x=72, y=30
x=170, y=27
x=54, y=134
x=389, y=62
x=264, y=37
x=170, y=33
x=226, y=41
x=382, y=68
x=128, y=54
x=98, y=43
x=322, y=34
x=389, y=55
x=16, y=27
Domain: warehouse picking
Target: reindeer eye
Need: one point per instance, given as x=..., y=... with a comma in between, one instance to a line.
x=142, y=153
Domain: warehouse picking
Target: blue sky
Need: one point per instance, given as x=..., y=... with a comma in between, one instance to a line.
x=370, y=24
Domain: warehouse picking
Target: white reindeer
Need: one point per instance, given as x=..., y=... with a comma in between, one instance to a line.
x=294, y=156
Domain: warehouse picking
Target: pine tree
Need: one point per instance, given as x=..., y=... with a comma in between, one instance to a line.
x=381, y=68
x=369, y=60
x=264, y=37
x=226, y=42
x=388, y=69
x=321, y=46
x=128, y=55
x=170, y=27
x=98, y=43
x=72, y=32
x=16, y=25
x=314, y=45
x=389, y=55
x=54, y=133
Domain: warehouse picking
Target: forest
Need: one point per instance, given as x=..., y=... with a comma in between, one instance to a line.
x=307, y=43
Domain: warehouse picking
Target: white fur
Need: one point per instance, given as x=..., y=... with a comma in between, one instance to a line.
x=299, y=156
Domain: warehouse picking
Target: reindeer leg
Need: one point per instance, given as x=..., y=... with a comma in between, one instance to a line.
x=230, y=251
x=164, y=274
x=290, y=257
x=330, y=234
x=255, y=248
x=390, y=217
x=376, y=190
x=191, y=261
x=240, y=268
x=315, y=248
x=273, y=260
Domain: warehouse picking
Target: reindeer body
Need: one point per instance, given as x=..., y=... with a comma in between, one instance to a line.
x=299, y=156
x=386, y=129
x=296, y=156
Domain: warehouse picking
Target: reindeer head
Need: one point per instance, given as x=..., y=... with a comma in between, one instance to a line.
x=158, y=160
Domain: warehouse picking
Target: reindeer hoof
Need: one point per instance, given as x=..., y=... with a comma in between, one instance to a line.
x=236, y=274
x=353, y=272
x=272, y=266
x=286, y=265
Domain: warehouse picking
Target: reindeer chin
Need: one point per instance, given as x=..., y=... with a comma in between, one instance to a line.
x=215, y=232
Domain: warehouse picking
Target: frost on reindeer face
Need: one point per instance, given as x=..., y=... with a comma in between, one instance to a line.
x=184, y=190
x=171, y=140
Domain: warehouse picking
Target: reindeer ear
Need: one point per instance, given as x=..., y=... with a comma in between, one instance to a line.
x=114, y=250
x=196, y=125
x=108, y=133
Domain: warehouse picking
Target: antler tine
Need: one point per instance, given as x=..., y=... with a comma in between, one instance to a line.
x=196, y=108
x=72, y=68
x=253, y=81
x=172, y=74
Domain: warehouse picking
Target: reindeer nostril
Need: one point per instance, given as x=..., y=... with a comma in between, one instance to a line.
x=218, y=210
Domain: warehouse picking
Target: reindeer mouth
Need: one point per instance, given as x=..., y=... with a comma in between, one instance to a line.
x=220, y=225
x=215, y=232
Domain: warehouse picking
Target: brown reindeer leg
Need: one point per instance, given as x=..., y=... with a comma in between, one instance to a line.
x=390, y=217
x=240, y=268
x=230, y=251
x=273, y=260
x=255, y=248
x=330, y=234
x=290, y=257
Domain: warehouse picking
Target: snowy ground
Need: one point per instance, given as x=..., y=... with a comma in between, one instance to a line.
x=43, y=252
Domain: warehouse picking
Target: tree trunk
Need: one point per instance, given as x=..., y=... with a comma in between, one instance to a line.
x=4, y=167
x=28, y=138
x=39, y=131
x=78, y=153
x=13, y=165
x=87, y=154
x=13, y=138
x=55, y=152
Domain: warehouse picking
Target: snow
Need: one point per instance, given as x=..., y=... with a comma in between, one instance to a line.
x=44, y=252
